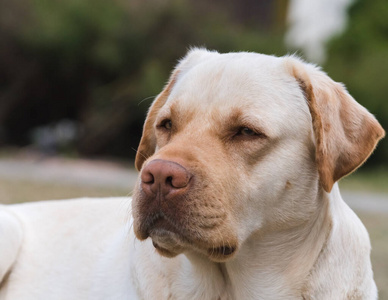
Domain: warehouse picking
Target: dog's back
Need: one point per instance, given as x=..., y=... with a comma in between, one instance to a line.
x=11, y=238
x=66, y=249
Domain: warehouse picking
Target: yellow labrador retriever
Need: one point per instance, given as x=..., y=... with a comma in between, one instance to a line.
x=237, y=197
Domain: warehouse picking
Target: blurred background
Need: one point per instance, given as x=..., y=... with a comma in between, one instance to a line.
x=77, y=77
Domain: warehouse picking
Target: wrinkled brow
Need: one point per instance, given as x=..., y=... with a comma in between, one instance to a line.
x=180, y=114
x=237, y=118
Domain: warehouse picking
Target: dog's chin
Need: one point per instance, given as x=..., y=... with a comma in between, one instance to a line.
x=167, y=243
x=170, y=252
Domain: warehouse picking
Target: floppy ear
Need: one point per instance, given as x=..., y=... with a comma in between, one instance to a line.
x=148, y=140
x=345, y=132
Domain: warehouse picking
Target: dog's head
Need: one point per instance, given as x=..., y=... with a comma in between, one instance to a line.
x=241, y=143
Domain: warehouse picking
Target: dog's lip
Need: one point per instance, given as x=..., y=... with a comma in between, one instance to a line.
x=161, y=222
x=222, y=252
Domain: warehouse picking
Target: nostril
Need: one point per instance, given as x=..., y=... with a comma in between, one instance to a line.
x=169, y=180
x=147, y=177
x=179, y=180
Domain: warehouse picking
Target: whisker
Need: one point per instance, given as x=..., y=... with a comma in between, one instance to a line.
x=145, y=99
x=130, y=193
x=137, y=151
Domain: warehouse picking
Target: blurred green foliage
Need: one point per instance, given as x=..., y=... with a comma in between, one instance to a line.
x=100, y=63
x=359, y=58
x=96, y=60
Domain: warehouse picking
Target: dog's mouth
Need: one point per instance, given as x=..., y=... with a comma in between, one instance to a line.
x=167, y=238
x=159, y=224
x=170, y=239
x=222, y=253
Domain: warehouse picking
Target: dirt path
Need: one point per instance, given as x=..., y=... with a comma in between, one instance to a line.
x=366, y=201
x=68, y=172
x=114, y=175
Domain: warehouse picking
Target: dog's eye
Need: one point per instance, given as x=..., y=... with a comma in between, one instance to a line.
x=245, y=131
x=248, y=133
x=166, y=124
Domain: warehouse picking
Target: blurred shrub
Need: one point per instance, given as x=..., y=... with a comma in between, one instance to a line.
x=359, y=58
x=99, y=63
x=94, y=61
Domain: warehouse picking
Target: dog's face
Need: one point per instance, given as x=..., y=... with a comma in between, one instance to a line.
x=233, y=147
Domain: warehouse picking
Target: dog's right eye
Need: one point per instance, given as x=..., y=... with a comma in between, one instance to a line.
x=165, y=124
x=245, y=131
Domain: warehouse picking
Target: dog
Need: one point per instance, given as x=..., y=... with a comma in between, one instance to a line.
x=237, y=197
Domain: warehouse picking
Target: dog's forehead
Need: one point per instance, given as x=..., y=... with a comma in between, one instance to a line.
x=229, y=76
x=254, y=83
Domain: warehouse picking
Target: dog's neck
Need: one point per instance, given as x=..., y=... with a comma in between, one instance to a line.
x=281, y=259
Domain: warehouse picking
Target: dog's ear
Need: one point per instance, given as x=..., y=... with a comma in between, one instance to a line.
x=148, y=140
x=345, y=132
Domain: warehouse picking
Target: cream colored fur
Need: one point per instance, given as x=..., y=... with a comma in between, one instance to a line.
x=271, y=197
